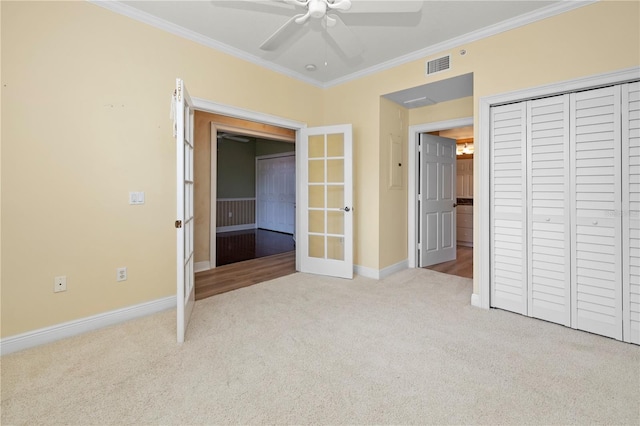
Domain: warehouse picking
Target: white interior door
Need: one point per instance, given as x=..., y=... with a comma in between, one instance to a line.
x=326, y=210
x=185, y=291
x=275, y=193
x=437, y=199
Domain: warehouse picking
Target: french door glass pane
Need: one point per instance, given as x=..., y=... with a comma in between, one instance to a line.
x=316, y=246
x=316, y=196
x=335, y=248
x=316, y=221
x=335, y=196
x=316, y=171
x=335, y=145
x=335, y=222
x=316, y=146
x=335, y=171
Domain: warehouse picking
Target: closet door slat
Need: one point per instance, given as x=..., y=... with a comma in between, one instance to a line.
x=508, y=208
x=631, y=210
x=596, y=203
x=549, y=255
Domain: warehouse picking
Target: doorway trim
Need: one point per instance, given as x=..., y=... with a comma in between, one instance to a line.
x=245, y=114
x=412, y=187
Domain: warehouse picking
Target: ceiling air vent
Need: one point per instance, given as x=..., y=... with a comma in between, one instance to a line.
x=439, y=64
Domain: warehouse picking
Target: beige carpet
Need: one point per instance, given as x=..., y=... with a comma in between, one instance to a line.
x=311, y=350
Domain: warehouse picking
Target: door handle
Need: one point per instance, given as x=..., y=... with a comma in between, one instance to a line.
x=346, y=209
x=455, y=205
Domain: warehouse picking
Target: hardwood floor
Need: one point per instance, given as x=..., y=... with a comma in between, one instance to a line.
x=461, y=267
x=242, y=274
x=237, y=246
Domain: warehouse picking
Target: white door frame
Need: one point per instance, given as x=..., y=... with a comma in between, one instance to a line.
x=482, y=165
x=414, y=135
x=245, y=114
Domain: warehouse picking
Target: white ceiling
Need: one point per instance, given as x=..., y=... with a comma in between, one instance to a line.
x=239, y=27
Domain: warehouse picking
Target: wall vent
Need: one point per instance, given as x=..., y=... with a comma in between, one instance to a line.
x=438, y=65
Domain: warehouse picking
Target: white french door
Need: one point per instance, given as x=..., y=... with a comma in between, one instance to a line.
x=326, y=210
x=437, y=197
x=185, y=290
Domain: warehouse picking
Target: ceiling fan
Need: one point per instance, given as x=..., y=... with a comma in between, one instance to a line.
x=336, y=28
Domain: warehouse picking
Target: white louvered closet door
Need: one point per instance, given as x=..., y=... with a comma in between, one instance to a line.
x=508, y=210
x=549, y=289
x=596, y=204
x=631, y=210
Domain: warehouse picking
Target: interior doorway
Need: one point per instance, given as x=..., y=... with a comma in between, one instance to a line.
x=229, y=121
x=254, y=196
x=461, y=130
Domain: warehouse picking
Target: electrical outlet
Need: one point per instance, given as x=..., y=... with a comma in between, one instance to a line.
x=59, y=284
x=121, y=274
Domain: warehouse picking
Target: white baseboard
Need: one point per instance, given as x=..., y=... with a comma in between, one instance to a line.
x=236, y=227
x=366, y=272
x=390, y=270
x=202, y=266
x=378, y=274
x=72, y=328
x=475, y=300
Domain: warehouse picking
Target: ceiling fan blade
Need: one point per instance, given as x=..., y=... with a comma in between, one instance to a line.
x=346, y=40
x=340, y=5
x=296, y=2
x=282, y=33
x=392, y=6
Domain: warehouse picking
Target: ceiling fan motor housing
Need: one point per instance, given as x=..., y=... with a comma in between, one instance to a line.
x=317, y=8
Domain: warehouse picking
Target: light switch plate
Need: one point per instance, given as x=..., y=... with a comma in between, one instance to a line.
x=136, y=197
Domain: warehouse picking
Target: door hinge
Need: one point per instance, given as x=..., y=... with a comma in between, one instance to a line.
x=178, y=224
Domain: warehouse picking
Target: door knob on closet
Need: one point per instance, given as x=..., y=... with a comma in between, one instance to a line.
x=455, y=205
x=595, y=222
x=346, y=209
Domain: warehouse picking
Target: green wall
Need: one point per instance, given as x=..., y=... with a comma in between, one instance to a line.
x=237, y=165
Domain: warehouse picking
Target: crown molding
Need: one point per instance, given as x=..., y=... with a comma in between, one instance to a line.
x=138, y=15
x=518, y=21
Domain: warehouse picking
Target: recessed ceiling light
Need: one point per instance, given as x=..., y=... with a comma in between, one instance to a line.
x=310, y=67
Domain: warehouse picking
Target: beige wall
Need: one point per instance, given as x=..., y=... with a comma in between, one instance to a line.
x=88, y=121
x=457, y=108
x=85, y=120
x=393, y=127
